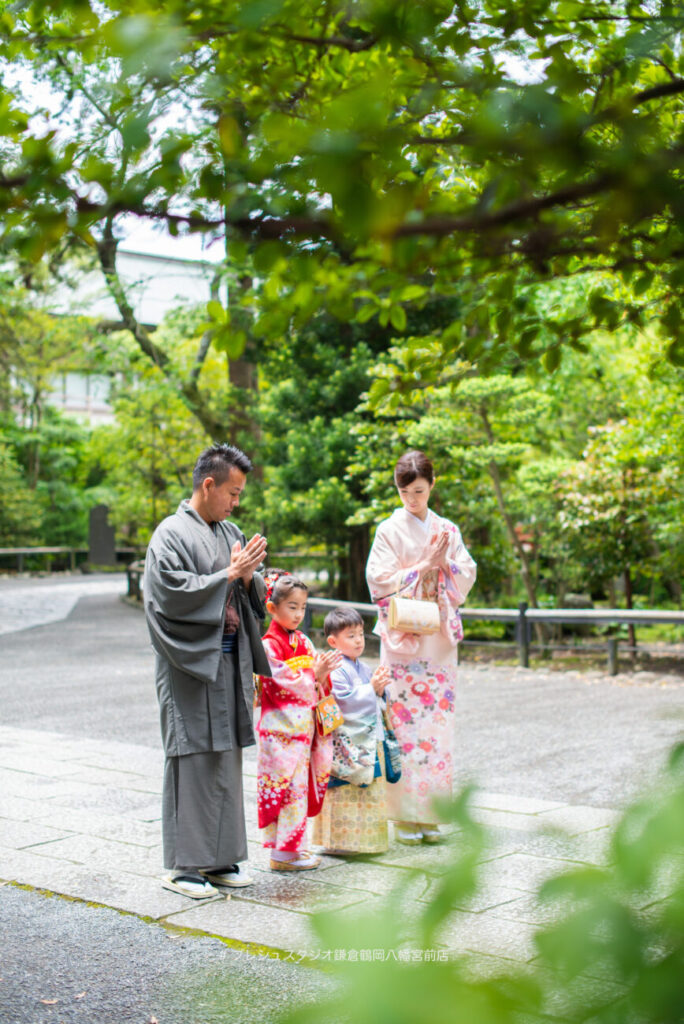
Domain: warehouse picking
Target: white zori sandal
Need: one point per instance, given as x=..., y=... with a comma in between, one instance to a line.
x=408, y=833
x=234, y=876
x=430, y=833
x=189, y=884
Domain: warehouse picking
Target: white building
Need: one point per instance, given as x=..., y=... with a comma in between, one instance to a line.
x=155, y=284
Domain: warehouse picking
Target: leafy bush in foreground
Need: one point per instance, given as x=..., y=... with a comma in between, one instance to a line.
x=614, y=954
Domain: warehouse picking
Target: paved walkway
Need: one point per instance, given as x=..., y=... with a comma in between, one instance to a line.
x=79, y=816
x=35, y=603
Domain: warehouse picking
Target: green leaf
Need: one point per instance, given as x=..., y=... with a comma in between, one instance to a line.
x=217, y=312
x=397, y=316
x=552, y=359
x=643, y=283
x=366, y=313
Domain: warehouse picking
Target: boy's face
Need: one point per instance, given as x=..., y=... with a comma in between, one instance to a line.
x=349, y=641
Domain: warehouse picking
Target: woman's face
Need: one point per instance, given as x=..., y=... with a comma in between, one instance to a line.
x=415, y=496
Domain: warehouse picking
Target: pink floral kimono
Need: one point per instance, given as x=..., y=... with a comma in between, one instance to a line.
x=423, y=668
x=293, y=761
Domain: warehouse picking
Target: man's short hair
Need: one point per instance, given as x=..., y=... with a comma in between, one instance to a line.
x=217, y=462
x=339, y=619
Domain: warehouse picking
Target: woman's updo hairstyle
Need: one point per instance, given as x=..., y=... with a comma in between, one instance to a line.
x=411, y=466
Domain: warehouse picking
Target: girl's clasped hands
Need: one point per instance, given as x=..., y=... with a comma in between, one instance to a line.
x=325, y=663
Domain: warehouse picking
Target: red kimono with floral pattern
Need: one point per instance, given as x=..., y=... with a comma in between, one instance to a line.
x=291, y=755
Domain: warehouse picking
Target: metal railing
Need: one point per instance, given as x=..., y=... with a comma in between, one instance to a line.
x=523, y=617
x=49, y=553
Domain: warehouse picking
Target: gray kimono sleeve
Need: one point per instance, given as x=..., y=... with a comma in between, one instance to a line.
x=185, y=612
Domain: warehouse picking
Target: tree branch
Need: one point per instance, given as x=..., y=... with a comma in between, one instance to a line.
x=188, y=390
x=351, y=45
x=522, y=209
x=205, y=341
x=614, y=111
x=106, y=250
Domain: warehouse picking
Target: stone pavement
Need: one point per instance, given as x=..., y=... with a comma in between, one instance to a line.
x=80, y=817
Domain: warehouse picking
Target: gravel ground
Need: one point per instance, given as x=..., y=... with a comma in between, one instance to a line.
x=65, y=962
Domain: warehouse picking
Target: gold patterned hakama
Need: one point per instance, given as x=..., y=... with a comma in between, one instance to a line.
x=354, y=818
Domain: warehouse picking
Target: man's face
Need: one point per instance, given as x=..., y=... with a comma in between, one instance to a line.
x=221, y=499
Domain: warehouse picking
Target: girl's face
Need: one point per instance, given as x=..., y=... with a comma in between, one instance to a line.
x=290, y=611
x=415, y=496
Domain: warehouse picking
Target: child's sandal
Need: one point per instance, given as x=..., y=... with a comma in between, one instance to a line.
x=304, y=862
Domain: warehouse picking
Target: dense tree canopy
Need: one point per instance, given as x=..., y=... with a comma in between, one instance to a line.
x=364, y=156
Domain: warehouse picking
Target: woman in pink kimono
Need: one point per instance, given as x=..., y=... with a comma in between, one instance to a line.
x=418, y=554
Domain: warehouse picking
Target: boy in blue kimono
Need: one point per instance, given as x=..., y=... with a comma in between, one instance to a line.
x=354, y=814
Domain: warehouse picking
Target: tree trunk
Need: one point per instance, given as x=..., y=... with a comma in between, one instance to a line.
x=351, y=566
x=33, y=460
x=341, y=592
x=359, y=548
x=243, y=375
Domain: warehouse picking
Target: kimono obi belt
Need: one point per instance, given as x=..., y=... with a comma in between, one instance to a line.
x=303, y=661
x=228, y=641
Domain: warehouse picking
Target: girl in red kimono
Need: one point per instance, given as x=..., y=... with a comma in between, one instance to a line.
x=293, y=760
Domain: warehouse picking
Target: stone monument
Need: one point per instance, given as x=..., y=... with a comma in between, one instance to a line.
x=101, y=547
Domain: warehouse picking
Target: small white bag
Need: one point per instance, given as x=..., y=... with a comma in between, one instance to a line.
x=411, y=616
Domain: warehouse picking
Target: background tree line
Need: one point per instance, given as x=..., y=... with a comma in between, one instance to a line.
x=563, y=483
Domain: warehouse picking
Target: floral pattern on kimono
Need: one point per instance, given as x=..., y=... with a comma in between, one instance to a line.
x=293, y=761
x=423, y=668
x=400, y=543
x=421, y=700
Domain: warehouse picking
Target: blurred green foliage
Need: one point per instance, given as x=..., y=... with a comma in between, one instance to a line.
x=20, y=514
x=613, y=954
x=332, y=405
x=560, y=483
x=365, y=157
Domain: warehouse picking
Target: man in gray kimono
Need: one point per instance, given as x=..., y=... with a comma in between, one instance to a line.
x=203, y=602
